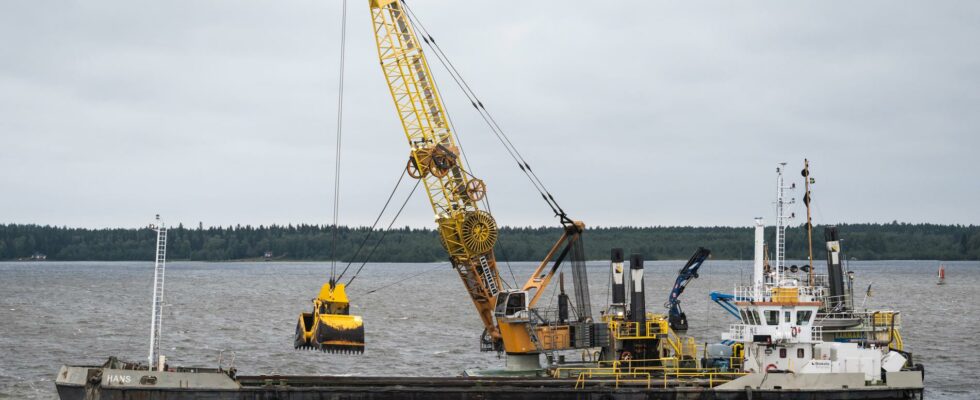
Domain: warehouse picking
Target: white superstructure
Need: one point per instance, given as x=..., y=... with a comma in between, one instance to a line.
x=779, y=330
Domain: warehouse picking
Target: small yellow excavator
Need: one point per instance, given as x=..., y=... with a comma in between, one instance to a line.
x=330, y=327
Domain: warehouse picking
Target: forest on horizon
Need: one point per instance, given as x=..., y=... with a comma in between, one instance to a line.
x=892, y=241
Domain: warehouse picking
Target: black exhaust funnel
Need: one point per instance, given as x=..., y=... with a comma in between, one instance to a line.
x=835, y=274
x=618, y=277
x=638, y=309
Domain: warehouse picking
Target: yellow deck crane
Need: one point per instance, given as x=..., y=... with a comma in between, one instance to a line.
x=468, y=232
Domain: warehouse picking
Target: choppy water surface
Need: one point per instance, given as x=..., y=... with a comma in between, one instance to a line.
x=54, y=313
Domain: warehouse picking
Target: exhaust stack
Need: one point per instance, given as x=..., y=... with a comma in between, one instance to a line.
x=638, y=310
x=835, y=274
x=618, y=277
x=758, y=263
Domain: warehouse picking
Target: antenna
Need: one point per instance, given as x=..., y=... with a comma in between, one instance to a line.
x=807, y=180
x=156, y=315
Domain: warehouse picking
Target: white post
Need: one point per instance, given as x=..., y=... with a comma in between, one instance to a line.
x=758, y=264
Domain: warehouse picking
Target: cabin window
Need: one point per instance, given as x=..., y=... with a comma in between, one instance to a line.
x=782, y=353
x=787, y=316
x=509, y=304
x=803, y=317
x=800, y=353
x=772, y=317
x=515, y=303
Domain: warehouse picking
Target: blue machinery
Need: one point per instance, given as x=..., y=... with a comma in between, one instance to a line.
x=675, y=315
x=725, y=301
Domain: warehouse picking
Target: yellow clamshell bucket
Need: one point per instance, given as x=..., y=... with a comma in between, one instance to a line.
x=330, y=327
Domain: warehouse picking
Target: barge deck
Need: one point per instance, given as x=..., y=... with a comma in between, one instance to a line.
x=123, y=381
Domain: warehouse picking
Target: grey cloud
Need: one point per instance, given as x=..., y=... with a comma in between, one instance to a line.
x=640, y=113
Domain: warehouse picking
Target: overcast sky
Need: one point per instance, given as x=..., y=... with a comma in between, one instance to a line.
x=633, y=113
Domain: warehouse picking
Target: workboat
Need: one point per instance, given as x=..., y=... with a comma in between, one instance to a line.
x=798, y=336
x=799, y=329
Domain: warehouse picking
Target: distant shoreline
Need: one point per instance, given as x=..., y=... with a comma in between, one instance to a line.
x=313, y=243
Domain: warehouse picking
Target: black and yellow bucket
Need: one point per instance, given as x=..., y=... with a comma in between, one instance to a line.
x=330, y=327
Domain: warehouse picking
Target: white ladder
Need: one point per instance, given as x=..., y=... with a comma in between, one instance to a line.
x=159, y=268
x=781, y=220
x=488, y=279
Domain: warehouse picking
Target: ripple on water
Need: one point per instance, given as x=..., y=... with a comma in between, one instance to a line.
x=425, y=326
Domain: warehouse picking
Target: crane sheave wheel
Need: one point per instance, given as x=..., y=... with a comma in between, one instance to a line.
x=443, y=157
x=476, y=189
x=435, y=170
x=413, y=168
x=479, y=232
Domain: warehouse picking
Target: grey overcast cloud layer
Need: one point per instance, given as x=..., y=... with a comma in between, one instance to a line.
x=633, y=113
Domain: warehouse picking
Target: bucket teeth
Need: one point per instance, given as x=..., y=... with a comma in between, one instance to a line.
x=334, y=349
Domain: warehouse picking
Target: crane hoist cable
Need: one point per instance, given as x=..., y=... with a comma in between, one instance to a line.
x=512, y=150
x=374, y=225
x=403, y=280
x=385, y=232
x=330, y=327
x=486, y=197
x=340, y=132
x=494, y=127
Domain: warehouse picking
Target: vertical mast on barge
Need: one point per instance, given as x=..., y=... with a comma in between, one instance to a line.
x=156, y=312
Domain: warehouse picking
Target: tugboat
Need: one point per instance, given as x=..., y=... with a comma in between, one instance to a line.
x=800, y=330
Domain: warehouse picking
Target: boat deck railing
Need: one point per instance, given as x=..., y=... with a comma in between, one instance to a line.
x=663, y=372
x=741, y=333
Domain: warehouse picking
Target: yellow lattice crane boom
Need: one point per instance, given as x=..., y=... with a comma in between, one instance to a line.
x=467, y=232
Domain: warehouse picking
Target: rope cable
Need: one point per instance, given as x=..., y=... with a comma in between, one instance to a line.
x=375, y=224
x=340, y=125
x=385, y=233
x=459, y=143
x=484, y=113
x=408, y=278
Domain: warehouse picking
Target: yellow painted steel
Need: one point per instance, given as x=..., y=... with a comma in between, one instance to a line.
x=517, y=340
x=336, y=293
x=788, y=295
x=657, y=327
x=644, y=371
x=330, y=327
x=467, y=233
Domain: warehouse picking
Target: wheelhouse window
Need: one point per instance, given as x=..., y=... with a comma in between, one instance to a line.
x=803, y=317
x=772, y=317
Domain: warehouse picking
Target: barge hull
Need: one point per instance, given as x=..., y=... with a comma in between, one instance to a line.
x=97, y=383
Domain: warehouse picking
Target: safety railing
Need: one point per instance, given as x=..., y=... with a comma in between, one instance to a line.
x=645, y=372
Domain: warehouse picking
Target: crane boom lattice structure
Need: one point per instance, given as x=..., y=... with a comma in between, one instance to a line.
x=467, y=232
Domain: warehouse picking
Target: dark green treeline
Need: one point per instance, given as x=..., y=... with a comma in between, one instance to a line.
x=312, y=242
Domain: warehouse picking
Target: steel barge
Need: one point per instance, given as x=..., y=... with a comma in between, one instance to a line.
x=118, y=380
